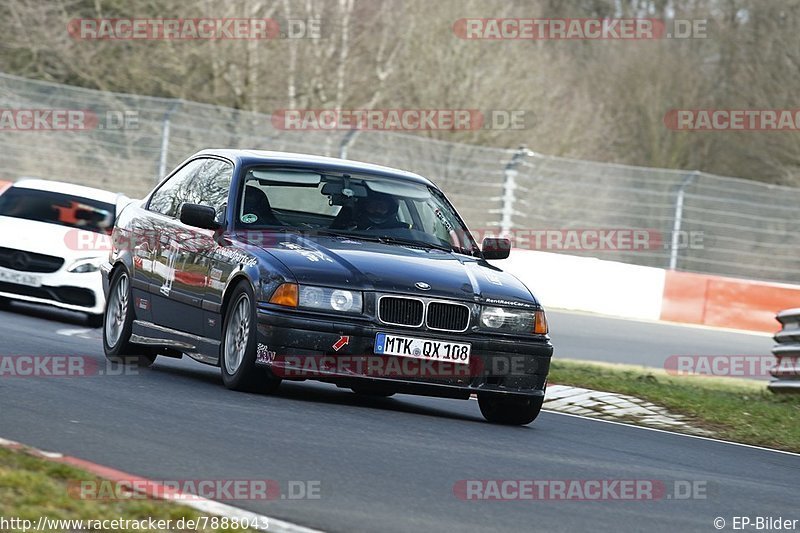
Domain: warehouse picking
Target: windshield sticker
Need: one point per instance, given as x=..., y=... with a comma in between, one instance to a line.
x=440, y=216
x=311, y=255
x=249, y=218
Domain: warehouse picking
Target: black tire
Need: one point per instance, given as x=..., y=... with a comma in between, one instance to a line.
x=117, y=325
x=237, y=354
x=374, y=391
x=95, y=321
x=5, y=303
x=511, y=411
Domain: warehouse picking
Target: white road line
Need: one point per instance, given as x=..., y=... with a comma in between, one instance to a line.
x=720, y=441
x=265, y=523
x=221, y=509
x=83, y=333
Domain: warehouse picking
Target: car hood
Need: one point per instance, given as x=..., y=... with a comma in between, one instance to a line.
x=364, y=265
x=52, y=239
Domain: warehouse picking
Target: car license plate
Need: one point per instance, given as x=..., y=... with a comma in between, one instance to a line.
x=454, y=352
x=20, y=278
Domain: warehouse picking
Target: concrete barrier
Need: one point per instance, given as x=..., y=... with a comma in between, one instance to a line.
x=588, y=284
x=726, y=302
x=611, y=288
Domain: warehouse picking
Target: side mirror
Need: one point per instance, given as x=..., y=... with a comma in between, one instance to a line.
x=199, y=216
x=496, y=248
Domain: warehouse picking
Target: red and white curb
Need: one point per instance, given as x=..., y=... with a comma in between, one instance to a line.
x=157, y=491
x=612, y=406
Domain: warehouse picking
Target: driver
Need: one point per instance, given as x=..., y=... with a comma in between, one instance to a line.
x=378, y=211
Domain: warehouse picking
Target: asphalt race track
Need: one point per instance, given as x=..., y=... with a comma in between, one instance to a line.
x=389, y=464
x=599, y=338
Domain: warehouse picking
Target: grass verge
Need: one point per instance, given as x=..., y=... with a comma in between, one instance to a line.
x=739, y=410
x=31, y=487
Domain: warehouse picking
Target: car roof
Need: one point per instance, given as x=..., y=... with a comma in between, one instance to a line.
x=250, y=157
x=61, y=187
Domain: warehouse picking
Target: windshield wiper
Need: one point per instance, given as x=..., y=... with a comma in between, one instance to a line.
x=411, y=242
x=383, y=239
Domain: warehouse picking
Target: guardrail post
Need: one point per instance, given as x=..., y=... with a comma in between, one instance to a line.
x=787, y=354
x=510, y=190
x=347, y=140
x=676, y=226
x=162, y=158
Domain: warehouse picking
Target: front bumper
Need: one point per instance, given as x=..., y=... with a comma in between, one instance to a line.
x=305, y=347
x=62, y=289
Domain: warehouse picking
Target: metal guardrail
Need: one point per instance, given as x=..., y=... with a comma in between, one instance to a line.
x=746, y=229
x=787, y=353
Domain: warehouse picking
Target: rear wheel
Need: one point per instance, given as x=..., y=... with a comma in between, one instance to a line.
x=118, y=323
x=512, y=411
x=238, y=350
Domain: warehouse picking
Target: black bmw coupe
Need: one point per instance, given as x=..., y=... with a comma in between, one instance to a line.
x=277, y=266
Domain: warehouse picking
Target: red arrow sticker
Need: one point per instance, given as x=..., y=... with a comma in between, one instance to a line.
x=341, y=343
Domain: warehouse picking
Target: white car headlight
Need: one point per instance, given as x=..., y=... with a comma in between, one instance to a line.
x=493, y=317
x=83, y=266
x=513, y=320
x=327, y=299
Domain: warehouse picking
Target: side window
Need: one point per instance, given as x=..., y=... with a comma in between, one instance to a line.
x=210, y=186
x=404, y=214
x=203, y=181
x=168, y=198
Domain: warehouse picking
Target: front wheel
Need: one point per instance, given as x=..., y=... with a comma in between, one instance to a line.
x=512, y=411
x=118, y=323
x=238, y=350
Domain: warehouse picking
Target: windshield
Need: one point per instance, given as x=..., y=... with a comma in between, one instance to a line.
x=362, y=206
x=55, y=208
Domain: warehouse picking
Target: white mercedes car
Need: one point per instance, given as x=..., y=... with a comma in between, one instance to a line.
x=53, y=237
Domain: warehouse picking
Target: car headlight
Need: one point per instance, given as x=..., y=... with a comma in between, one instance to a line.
x=83, y=266
x=326, y=299
x=506, y=320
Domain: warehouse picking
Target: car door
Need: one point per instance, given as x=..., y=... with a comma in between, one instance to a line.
x=172, y=305
x=193, y=253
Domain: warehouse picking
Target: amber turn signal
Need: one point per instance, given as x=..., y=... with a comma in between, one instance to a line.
x=540, y=323
x=286, y=295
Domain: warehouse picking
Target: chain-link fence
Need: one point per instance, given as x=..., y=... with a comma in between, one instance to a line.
x=705, y=223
